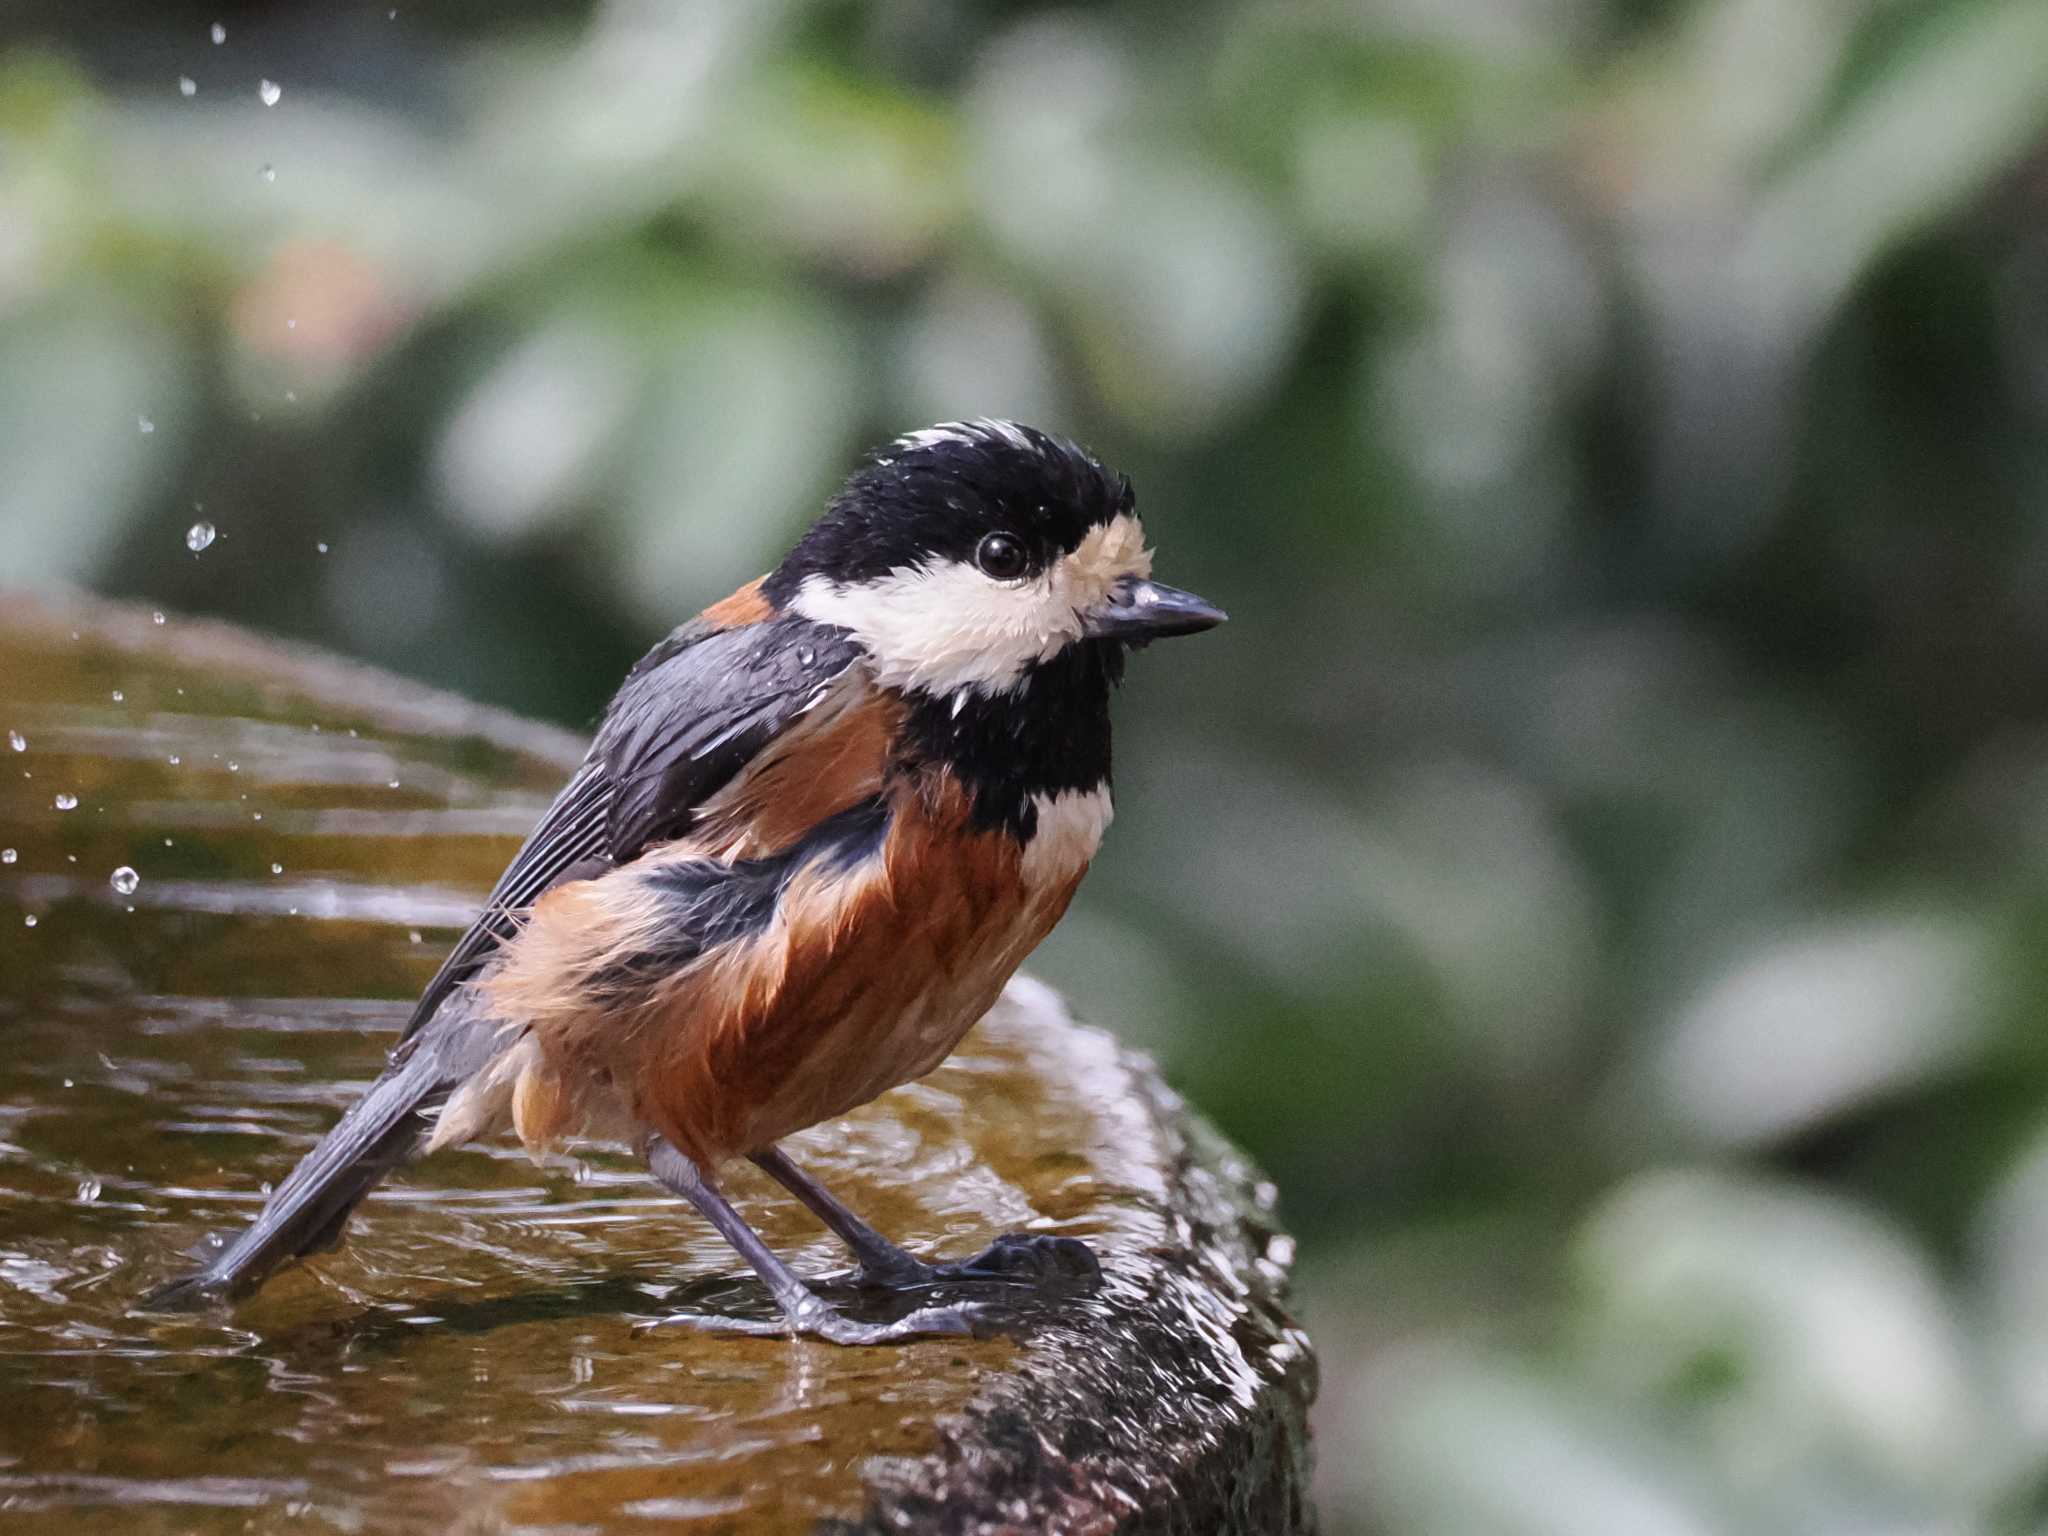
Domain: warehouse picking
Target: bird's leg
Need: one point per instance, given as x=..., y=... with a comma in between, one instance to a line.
x=1034, y=1257
x=881, y=1261
x=804, y=1311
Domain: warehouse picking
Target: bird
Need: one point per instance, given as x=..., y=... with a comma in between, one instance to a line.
x=818, y=828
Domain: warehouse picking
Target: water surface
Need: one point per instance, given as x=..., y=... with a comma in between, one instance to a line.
x=307, y=838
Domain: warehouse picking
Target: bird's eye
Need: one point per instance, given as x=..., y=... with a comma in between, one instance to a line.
x=1000, y=557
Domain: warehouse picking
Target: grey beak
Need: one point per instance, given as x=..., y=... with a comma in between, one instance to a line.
x=1138, y=611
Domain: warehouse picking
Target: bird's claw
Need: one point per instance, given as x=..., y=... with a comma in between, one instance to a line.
x=1015, y=1258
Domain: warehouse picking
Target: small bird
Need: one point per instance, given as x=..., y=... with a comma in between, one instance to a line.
x=819, y=827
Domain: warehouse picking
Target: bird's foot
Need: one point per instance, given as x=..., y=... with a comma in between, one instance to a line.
x=814, y=1318
x=1035, y=1259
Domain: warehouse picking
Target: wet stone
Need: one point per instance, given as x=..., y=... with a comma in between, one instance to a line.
x=477, y=1358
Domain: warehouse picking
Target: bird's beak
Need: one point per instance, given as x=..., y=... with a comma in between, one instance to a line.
x=1138, y=610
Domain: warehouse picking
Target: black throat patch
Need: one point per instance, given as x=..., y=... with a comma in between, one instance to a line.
x=1047, y=735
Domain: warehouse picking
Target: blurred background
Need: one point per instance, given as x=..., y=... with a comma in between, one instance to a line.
x=1602, y=872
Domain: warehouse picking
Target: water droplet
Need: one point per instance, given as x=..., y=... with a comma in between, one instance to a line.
x=805, y=655
x=124, y=880
x=119, y=697
x=393, y=784
x=169, y=844
x=88, y=1189
x=220, y=34
x=174, y=759
x=255, y=815
x=29, y=921
x=144, y=425
x=67, y=802
x=187, y=86
x=17, y=741
x=277, y=869
x=265, y=1187
x=269, y=91
x=214, y=1239
x=270, y=173
x=157, y=617
x=321, y=546
x=8, y=855
x=198, y=536
x=291, y=322
x=414, y=935
x=233, y=766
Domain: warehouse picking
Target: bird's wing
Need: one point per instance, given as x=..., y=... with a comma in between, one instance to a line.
x=685, y=727
x=686, y=721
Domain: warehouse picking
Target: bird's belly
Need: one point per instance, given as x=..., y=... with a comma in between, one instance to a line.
x=862, y=975
x=888, y=1004
x=892, y=1032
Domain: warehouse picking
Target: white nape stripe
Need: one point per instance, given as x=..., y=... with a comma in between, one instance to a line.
x=944, y=627
x=1070, y=828
x=968, y=433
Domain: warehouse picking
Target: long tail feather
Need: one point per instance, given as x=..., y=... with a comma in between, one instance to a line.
x=383, y=1130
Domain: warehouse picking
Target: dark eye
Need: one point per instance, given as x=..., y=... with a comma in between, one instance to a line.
x=1001, y=557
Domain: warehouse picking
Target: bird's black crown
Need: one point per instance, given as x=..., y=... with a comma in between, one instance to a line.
x=936, y=494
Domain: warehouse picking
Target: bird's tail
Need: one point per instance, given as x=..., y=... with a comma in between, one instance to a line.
x=383, y=1130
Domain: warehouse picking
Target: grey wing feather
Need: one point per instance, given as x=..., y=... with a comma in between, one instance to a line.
x=686, y=728
x=687, y=719
x=573, y=832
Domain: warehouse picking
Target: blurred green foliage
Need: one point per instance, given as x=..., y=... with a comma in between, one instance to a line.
x=1603, y=869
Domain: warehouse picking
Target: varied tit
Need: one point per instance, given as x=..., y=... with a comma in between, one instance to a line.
x=818, y=829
